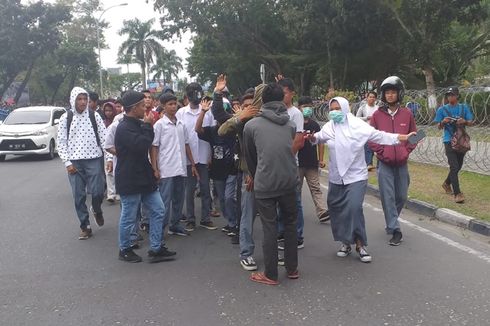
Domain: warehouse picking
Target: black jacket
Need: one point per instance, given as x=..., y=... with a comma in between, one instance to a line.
x=134, y=174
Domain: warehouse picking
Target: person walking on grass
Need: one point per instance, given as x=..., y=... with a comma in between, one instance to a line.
x=346, y=136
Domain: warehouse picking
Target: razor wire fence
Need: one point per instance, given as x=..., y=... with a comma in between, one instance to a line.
x=431, y=149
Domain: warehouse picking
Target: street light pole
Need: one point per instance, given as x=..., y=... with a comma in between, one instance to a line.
x=98, y=42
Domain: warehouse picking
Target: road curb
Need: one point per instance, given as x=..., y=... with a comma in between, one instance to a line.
x=442, y=214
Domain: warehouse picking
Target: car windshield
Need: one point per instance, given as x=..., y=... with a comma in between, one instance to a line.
x=27, y=117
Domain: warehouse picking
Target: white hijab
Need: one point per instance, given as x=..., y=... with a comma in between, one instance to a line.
x=349, y=136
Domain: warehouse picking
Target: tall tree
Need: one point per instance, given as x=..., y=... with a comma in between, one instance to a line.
x=168, y=65
x=142, y=43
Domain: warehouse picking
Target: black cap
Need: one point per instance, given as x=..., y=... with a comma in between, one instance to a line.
x=131, y=98
x=167, y=98
x=453, y=90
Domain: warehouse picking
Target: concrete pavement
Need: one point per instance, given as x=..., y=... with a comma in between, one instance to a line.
x=440, y=275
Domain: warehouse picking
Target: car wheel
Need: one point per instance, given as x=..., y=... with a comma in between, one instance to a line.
x=2, y=158
x=50, y=155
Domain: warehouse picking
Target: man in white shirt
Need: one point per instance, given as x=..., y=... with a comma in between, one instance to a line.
x=169, y=154
x=296, y=116
x=201, y=152
x=365, y=112
x=81, y=137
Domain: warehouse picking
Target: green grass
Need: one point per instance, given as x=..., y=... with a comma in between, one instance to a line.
x=425, y=185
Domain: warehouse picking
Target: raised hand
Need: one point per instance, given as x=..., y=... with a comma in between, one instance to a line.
x=205, y=104
x=220, y=84
x=248, y=113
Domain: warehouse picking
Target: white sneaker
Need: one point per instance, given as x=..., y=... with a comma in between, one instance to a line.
x=344, y=251
x=364, y=256
x=249, y=264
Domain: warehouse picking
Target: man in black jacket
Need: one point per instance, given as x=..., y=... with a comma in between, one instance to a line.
x=135, y=181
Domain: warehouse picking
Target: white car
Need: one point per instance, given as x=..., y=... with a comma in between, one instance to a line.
x=30, y=130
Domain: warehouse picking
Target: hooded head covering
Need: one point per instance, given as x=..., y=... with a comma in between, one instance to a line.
x=349, y=136
x=73, y=97
x=276, y=112
x=107, y=121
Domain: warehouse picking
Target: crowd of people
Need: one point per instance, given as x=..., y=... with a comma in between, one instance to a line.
x=251, y=155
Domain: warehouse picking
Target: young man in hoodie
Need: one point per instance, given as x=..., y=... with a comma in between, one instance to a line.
x=80, y=147
x=268, y=141
x=393, y=174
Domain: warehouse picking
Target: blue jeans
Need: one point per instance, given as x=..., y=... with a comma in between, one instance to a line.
x=300, y=220
x=89, y=179
x=368, y=154
x=249, y=211
x=393, y=190
x=172, y=191
x=127, y=222
x=226, y=190
x=190, y=188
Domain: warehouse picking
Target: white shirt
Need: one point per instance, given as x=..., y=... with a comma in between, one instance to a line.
x=366, y=111
x=82, y=144
x=201, y=150
x=170, y=138
x=296, y=116
x=109, y=139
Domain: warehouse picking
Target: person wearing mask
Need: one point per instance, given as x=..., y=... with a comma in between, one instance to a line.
x=393, y=177
x=81, y=137
x=310, y=160
x=135, y=180
x=201, y=152
x=365, y=112
x=449, y=117
x=346, y=136
x=268, y=141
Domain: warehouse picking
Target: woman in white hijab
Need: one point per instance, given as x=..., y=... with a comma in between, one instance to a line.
x=346, y=136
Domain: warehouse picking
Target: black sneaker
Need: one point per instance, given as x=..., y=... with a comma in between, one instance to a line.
x=325, y=217
x=249, y=264
x=235, y=239
x=135, y=245
x=208, y=225
x=226, y=229
x=161, y=255
x=190, y=226
x=280, y=261
x=99, y=217
x=128, y=255
x=280, y=237
x=397, y=238
x=301, y=245
x=232, y=231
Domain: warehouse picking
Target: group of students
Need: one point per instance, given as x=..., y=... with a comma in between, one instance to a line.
x=257, y=153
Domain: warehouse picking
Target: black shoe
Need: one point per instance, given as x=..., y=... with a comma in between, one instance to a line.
x=301, y=245
x=190, y=226
x=232, y=231
x=280, y=237
x=325, y=217
x=128, y=255
x=99, y=217
x=235, y=239
x=161, y=255
x=397, y=238
x=135, y=245
x=226, y=229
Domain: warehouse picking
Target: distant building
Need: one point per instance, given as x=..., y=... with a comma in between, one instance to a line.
x=114, y=71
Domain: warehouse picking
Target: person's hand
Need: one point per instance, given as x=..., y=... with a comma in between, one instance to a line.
x=156, y=173
x=248, y=113
x=194, y=172
x=220, y=84
x=249, y=183
x=236, y=108
x=149, y=118
x=205, y=105
x=405, y=137
x=310, y=137
x=446, y=120
x=321, y=164
x=71, y=169
x=461, y=122
x=279, y=77
x=109, y=166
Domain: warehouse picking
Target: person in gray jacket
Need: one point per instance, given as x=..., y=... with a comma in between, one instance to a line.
x=268, y=147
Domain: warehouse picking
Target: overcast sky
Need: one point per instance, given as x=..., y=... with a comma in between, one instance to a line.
x=115, y=17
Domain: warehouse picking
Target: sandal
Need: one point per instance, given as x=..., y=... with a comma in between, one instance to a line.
x=294, y=275
x=261, y=278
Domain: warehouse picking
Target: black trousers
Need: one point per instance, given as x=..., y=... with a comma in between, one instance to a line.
x=267, y=209
x=455, y=161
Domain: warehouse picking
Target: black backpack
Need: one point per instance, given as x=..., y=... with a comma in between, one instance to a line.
x=91, y=115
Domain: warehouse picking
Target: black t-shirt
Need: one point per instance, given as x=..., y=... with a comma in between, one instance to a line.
x=307, y=156
x=223, y=153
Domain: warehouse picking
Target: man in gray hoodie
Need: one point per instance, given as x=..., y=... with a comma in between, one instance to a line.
x=268, y=147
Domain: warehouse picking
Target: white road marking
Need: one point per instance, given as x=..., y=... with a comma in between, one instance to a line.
x=432, y=234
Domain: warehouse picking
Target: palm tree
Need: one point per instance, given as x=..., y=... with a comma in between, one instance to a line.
x=142, y=43
x=168, y=64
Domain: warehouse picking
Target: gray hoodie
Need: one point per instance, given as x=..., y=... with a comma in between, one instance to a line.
x=268, y=143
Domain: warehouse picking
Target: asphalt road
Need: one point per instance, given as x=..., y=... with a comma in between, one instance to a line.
x=439, y=276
